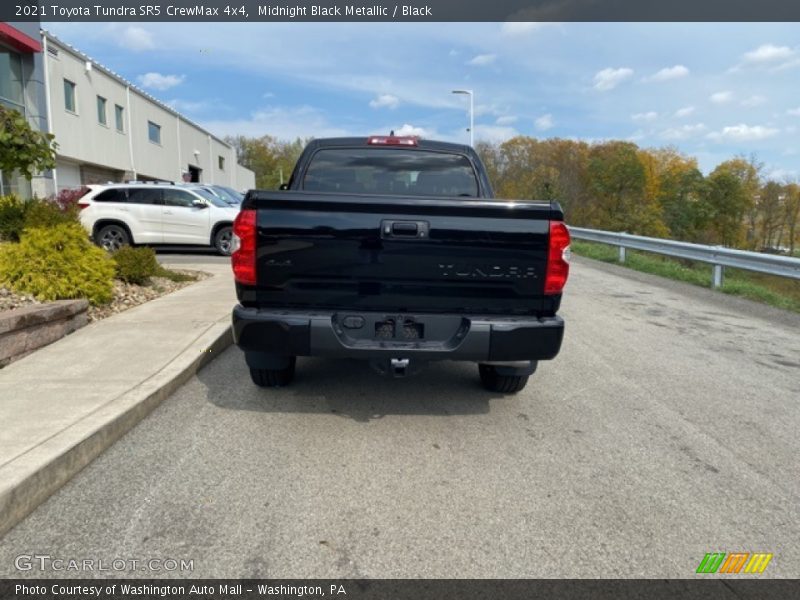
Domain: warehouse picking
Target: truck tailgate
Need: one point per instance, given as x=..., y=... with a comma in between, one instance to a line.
x=329, y=251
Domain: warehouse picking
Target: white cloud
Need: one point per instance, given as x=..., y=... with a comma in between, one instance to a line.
x=743, y=133
x=137, y=39
x=721, y=97
x=779, y=174
x=506, y=120
x=636, y=136
x=385, y=101
x=668, y=73
x=684, y=112
x=408, y=129
x=512, y=28
x=157, y=81
x=795, y=112
x=544, y=122
x=755, y=100
x=768, y=53
x=453, y=52
x=645, y=116
x=189, y=106
x=283, y=122
x=775, y=58
x=609, y=78
x=683, y=132
x=494, y=133
x=481, y=60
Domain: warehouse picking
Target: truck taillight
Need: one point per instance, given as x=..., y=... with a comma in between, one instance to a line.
x=557, y=258
x=243, y=257
x=82, y=205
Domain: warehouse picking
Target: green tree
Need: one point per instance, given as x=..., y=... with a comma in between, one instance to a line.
x=729, y=202
x=269, y=158
x=22, y=148
x=617, y=178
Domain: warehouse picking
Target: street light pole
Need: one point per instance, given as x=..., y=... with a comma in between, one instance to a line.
x=471, y=114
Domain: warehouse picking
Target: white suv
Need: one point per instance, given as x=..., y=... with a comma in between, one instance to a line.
x=156, y=213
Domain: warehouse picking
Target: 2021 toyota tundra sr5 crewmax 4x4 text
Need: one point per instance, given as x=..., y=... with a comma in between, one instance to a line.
x=394, y=250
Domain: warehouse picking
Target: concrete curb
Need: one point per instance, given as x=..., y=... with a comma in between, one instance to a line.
x=30, y=479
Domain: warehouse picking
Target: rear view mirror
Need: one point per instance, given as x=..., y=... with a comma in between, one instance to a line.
x=284, y=186
x=199, y=204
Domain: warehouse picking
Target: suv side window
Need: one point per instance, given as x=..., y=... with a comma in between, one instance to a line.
x=144, y=196
x=111, y=195
x=178, y=198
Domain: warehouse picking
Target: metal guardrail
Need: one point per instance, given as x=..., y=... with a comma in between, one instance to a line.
x=718, y=256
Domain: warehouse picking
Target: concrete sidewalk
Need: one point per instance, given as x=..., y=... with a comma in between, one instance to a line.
x=63, y=405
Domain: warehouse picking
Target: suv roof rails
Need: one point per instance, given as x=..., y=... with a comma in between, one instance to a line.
x=138, y=182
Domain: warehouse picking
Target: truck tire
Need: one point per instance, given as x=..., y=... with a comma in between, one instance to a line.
x=273, y=377
x=505, y=384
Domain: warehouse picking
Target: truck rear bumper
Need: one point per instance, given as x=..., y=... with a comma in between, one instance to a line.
x=384, y=335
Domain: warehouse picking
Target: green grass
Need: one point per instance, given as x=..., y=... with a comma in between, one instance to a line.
x=174, y=275
x=776, y=291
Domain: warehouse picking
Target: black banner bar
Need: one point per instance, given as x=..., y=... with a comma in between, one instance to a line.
x=400, y=10
x=726, y=588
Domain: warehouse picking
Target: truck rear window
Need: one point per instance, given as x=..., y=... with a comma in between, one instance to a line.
x=390, y=171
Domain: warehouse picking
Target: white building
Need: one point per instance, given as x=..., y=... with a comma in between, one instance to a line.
x=107, y=129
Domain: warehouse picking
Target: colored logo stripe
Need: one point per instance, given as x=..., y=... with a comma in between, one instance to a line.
x=734, y=562
x=758, y=562
x=713, y=562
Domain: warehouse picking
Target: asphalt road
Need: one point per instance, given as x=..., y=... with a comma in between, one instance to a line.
x=667, y=428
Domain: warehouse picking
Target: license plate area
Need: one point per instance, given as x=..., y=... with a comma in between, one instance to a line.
x=398, y=329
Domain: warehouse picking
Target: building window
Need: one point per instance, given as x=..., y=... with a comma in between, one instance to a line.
x=69, y=96
x=221, y=162
x=11, y=79
x=119, y=113
x=154, y=132
x=101, y=111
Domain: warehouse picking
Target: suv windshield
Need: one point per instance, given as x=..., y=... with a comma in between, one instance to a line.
x=215, y=200
x=390, y=171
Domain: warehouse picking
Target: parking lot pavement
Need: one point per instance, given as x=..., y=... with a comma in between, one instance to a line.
x=667, y=428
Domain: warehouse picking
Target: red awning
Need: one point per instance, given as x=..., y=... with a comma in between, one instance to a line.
x=18, y=40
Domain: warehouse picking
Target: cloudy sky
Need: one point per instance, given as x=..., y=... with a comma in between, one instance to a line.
x=712, y=90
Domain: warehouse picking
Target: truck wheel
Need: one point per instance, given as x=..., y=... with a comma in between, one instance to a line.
x=222, y=240
x=274, y=377
x=505, y=384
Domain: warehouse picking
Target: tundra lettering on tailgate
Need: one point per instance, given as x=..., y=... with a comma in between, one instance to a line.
x=467, y=271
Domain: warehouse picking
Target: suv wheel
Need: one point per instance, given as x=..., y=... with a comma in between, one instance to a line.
x=112, y=237
x=222, y=240
x=274, y=377
x=505, y=384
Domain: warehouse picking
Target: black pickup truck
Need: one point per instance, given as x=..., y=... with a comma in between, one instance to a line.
x=394, y=250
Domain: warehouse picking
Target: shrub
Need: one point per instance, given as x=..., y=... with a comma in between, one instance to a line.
x=46, y=213
x=12, y=218
x=136, y=265
x=67, y=200
x=58, y=263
